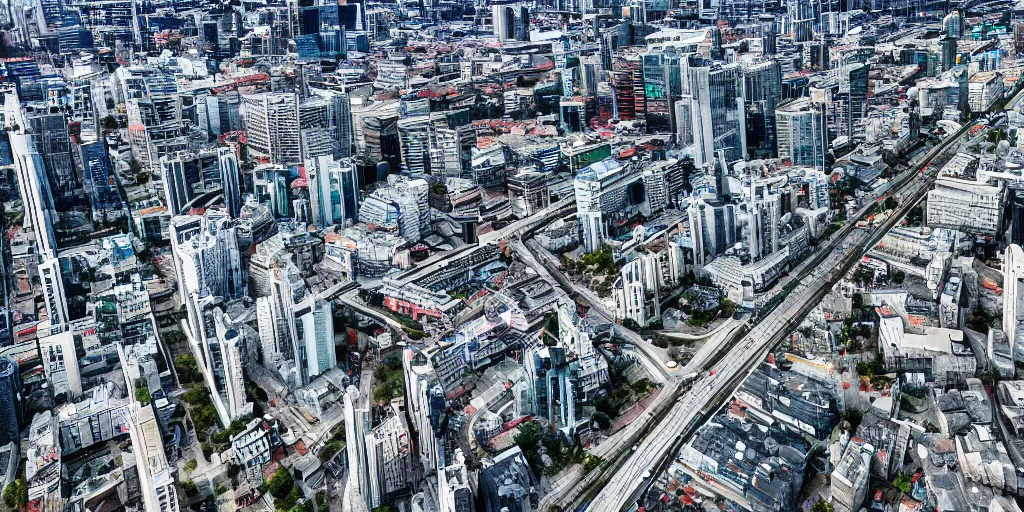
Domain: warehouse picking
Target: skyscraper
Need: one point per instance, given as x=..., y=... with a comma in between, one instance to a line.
x=333, y=190
x=718, y=113
x=34, y=187
x=341, y=120
x=208, y=266
x=229, y=178
x=802, y=135
x=762, y=91
x=97, y=178
x=49, y=128
x=272, y=127
x=769, y=34
x=662, y=86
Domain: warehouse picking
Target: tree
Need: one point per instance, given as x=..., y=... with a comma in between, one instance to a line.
x=529, y=437
x=190, y=488
x=602, y=420
x=190, y=466
x=898, y=276
x=188, y=370
x=134, y=166
x=822, y=506
x=605, y=405
x=281, y=484
x=108, y=123
x=16, y=494
x=854, y=416
x=641, y=386
x=175, y=338
x=142, y=391
x=857, y=302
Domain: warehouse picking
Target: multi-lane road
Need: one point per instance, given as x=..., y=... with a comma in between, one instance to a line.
x=618, y=485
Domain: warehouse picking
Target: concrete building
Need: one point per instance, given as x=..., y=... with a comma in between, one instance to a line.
x=801, y=133
x=272, y=127
x=53, y=293
x=253, y=448
x=159, y=494
x=505, y=484
x=34, y=189
x=1013, y=299
x=333, y=190
x=718, y=112
x=43, y=468
x=389, y=461
x=296, y=328
x=60, y=363
x=965, y=205
x=851, y=476
x=984, y=89
x=99, y=417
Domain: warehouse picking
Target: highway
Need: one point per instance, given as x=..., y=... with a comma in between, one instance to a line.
x=617, y=486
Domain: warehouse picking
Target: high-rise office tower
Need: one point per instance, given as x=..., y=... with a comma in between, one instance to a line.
x=762, y=90
x=208, y=266
x=1013, y=301
x=857, y=82
x=949, y=51
x=718, y=111
x=341, y=120
x=953, y=24
x=177, y=189
x=511, y=20
x=97, y=178
x=272, y=127
x=49, y=128
x=715, y=34
x=315, y=328
x=802, y=134
x=188, y=175
x=229, y=179
x=662, y=87
x=333, y=190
